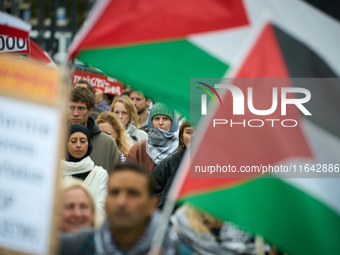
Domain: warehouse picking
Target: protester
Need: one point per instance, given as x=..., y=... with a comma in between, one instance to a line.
x=86, y=84
x=122, y=106
x=162, y=138
x=78, y=208
x=165, y=171
x=206, y=235
x=131, y=222
x=80, y=165
x=103, y=100
x=105, y=151
x=141, y=103
x=109, y=123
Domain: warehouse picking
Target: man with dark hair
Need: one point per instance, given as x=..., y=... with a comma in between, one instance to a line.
x=141, y=103
x=131, y=218
x=81, y=102
x=100, y=105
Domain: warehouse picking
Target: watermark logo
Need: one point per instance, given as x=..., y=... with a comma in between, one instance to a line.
x=204, y=97
x=238, y=99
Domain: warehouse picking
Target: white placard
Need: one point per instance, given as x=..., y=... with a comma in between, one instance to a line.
x=12, y=44
x=29, y=146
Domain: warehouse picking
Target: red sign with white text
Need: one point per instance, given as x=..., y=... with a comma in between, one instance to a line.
x=107, y=84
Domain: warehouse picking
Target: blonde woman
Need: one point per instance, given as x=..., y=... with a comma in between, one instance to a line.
x=78, y=209
x=109, y=124
x=123, y=107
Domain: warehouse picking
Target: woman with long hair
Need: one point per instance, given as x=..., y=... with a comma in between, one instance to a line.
x=123, y=107
x=78, y=164
x=78, y=209
x=109, y=124
x=165, y=171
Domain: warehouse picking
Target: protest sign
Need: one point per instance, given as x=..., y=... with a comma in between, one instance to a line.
x=107, y=84
x=30, y=137
x=14, y=37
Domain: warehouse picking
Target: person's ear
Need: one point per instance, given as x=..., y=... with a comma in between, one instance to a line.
x=154, y=202
x=148, y=102
x=90, y=111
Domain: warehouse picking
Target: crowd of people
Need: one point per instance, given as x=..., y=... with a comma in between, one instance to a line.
x=121, y=159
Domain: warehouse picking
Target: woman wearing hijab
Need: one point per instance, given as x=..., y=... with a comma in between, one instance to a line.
x=80, y=165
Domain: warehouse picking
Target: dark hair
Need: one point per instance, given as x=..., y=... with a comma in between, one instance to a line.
x=137, y=168
x=83, y=95
x=181, y=145
x=89, y=86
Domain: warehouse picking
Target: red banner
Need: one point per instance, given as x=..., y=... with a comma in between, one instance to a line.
x=107, y=84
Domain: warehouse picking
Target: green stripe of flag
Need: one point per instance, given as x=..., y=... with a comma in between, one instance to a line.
x=162, y=70
x=285, y=215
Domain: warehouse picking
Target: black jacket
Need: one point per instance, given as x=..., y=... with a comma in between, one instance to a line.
x=164, y=174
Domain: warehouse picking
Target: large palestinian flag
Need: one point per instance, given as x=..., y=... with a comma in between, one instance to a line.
x=152, y=45
x=157, y=46
x=299, y=215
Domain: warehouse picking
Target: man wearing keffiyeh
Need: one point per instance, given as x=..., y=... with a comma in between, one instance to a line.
x=162, y=138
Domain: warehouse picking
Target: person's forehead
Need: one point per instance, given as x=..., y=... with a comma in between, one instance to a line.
x=78, y=103
x=119, y=106
x=137, y=94
x=78, y=135
x=161, y=116
x=105, y=125
x=75, y=192
x=188, y=128
x=81, y=85
x=128, y=178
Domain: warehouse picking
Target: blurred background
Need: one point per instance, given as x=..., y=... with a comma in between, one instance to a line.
x=54, y=23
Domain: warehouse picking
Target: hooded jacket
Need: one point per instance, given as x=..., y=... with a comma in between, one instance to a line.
x=105, y=152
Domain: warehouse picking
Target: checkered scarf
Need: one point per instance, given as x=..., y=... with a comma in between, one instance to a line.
x=105, y=243
x=131, y=130
x=233, y=240
x=160, y=144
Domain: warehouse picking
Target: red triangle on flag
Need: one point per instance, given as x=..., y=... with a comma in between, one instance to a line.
x=240, y=144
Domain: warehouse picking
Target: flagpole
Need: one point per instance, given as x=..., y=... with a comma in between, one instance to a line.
x=179, y=178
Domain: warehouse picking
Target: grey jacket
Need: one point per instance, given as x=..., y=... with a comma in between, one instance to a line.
x=105, y=152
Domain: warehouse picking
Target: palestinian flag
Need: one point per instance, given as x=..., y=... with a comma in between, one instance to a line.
x=154, y=45
x=157, y=46
x=298, y=215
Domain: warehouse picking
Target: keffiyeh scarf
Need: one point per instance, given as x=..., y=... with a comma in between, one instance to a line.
x=131, y=130
x=233, y=240
x=105, y=244
x=160, y=144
